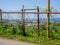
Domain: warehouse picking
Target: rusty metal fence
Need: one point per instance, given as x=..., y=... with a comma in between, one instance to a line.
x=23, y=13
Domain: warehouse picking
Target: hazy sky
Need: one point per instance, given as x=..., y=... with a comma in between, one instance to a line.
x=7, y=5
x=16, y=5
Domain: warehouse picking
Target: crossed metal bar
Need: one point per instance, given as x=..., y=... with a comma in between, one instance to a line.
x=30, y=12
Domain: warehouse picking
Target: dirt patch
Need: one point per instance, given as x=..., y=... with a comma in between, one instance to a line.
x=13, y=42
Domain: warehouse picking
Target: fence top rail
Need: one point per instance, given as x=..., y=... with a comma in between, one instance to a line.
x=30, y=12
x=29, y=9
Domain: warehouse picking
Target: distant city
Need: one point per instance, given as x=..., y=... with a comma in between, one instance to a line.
x=32, y=20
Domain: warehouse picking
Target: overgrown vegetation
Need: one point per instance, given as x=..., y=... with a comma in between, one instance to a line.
x=15, y=32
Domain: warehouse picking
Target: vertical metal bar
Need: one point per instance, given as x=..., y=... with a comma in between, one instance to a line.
x=48, y=21
x=23, y=21
x=38, y=21
x=0, y=16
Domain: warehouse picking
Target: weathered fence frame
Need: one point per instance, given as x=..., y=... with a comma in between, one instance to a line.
x=23, y=17
x=48, y=15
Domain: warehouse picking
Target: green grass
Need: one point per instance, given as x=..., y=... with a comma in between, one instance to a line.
x=12, y=32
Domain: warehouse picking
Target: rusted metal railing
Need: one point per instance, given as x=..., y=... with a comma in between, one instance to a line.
x=23, y=13
x=30, y=12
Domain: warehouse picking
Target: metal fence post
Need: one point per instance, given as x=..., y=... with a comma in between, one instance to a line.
x=23, y=21
x=48, y=20
x=0, y=16
x=38, y=21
